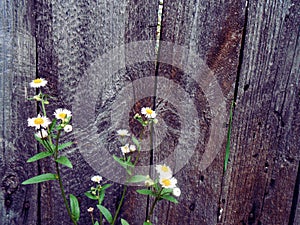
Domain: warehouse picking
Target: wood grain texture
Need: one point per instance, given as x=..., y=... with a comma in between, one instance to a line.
x=18, y=203
x=266, y=121
x=79, y=42
x=211, y=32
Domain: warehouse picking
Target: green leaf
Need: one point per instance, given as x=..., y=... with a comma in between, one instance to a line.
x=75, y=210
x=39, y=156
x=105, y=213
x=136, y=142
x=65, y=145
x=170, y=198
x=96, y=223
x=147, y=223
x=166, y=191
x=105, y=186
x=124, y=222
x=90, y=196
x=101, y=196
x=227, y=153
x=122, y=163
x=137, y=179
x=146, y=192
x=40, y=178
x=64, y=161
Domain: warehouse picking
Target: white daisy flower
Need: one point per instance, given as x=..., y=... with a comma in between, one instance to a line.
x=68, y=128
x=164, y=171
x=148, y=112
x=168, y=182
x=39, y=82
x=42, y=133
x=62, y=114
x=176, y=192
x=96, y=179
x=125, y=149
x=132, y=148
x=39, y=121
x=123, y=133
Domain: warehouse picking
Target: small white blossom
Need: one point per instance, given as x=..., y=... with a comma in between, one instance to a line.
x=62, y=114
x=90, y=210
x=39, y=121
x=123, y=133
x=164, y=171
x=125, y=149
x=168, y=182
x=148, y=112
x=68, y=128
x=39, y=82
x=96, y=179
x=176, y=192
x=132, y=148
x=149, y=182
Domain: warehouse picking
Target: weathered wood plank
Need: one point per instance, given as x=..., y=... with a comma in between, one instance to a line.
x=210, y=32
x=18, y=203
x=74, y=40
x=266, y=121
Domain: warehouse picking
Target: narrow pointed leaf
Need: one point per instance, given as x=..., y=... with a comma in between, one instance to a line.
x=124, y=222
x=39, y=156
x=64, y=161
x=170, y=198
x=105, y=213
x=137, y=179
x=146, y=192
x=65, y=145
x=122, y=163
x=75, y=210
x=90, y=196
x=40, y=178
x=96, y=223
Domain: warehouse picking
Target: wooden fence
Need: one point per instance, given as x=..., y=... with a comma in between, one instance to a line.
x=251, y=48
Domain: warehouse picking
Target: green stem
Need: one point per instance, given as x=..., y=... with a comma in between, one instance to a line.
x=62, y=190
x=153, y=204
x=119, y=206
x=101, y=216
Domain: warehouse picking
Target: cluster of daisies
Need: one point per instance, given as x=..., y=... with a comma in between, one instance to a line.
x=166, y=179
x=127, y=148
x=42, y=122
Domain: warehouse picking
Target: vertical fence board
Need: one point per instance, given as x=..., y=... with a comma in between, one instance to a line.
x=18, y=203
x=212, y=31
x=73, y=39
x=266, y=121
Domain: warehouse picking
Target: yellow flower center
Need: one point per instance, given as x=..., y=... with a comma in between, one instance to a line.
x=166, y=182
x=149, y=111
x=165, y=168
x=62, y=115
x=37, y=81
x=38, y=121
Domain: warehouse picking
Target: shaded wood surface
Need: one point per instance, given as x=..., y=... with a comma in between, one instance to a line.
x=91, y=51
x=265, y=138
x=18, y=204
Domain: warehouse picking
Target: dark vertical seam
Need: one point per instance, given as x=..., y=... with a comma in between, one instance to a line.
x=235, y=95
x=295, y=199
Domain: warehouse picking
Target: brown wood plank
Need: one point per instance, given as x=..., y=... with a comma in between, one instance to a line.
x=265, y=138
x=210, y=32
x=18, y=203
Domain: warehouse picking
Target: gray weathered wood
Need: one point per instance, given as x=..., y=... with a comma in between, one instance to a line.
x=18, y=203
x=265, y=138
